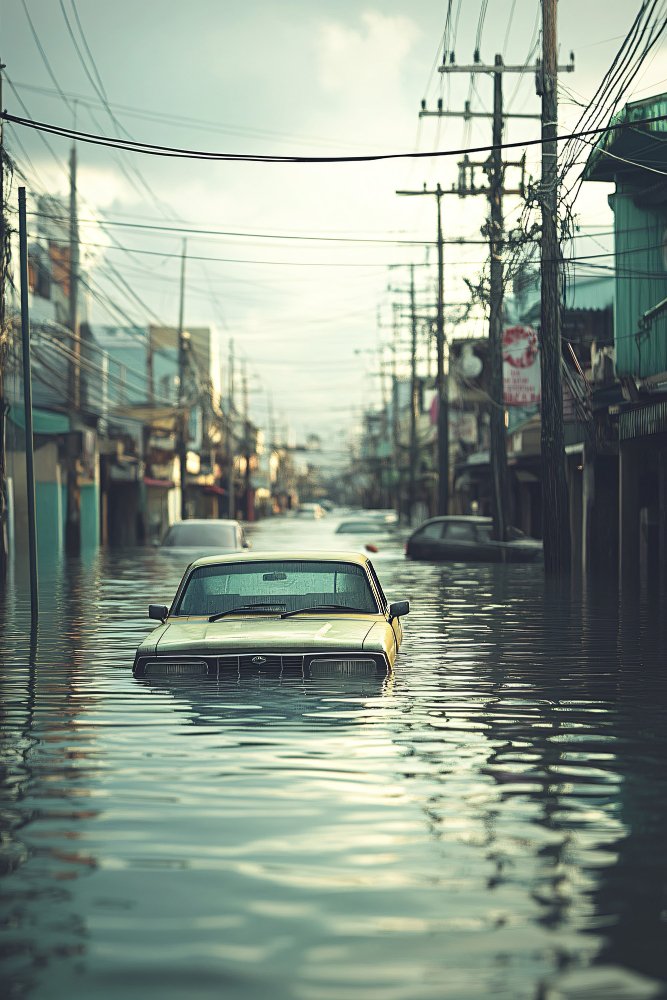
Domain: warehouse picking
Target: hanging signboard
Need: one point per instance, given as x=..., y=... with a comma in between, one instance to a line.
x=521, y=366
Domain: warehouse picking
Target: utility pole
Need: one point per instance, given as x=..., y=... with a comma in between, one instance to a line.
x=495, y=169
x=555, y=506
x=4, y=349
x=395, y=425
x=73, y=516
x=496, y=233
x=231, y=499
x=385, y=463
x=441, y=380
x=182, y=402
x=413, y=399
x=27, y=403
x=246, y=444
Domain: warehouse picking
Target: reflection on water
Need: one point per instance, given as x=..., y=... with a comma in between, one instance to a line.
x=487, y=820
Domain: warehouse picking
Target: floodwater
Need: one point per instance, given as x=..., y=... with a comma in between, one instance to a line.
x=488, y=821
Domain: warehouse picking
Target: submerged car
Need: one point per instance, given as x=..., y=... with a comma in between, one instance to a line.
x=316, y=614
x=201, y=536
x=469, y=539
x=371, y=534
x=314, y=510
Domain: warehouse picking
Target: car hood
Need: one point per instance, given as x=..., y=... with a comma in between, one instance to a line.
x=303, y=633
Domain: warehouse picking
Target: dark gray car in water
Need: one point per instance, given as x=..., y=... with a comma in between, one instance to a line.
x=466, y=538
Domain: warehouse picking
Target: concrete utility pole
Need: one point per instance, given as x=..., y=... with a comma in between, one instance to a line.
x=73, y=516
x=246, y=444
x=182, y=402
x=231, y=499
x=395, y=425
x=4, y=348
x=413, y=399
x=27, y=406
x=555, y=505
x=441, y=379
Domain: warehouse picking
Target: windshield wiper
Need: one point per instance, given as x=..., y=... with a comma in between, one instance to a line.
x=262, y=606
x=327, y=607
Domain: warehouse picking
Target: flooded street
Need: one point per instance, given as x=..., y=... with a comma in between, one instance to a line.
x=488, y=820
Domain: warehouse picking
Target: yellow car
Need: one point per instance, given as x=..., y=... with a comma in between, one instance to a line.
x=317, y=613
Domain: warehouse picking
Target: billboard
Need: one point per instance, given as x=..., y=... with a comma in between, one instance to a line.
x=521, y=366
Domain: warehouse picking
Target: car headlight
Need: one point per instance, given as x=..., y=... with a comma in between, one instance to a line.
x=175, y=668
x=335, y=667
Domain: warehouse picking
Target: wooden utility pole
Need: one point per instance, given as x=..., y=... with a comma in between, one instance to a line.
x=555, y=505
x=441, y=380
x=73, y=515
x=4, y=350
x=496, y=172
x=495, y=168
x=182, y=401
x=231, y=499
x=413, y=399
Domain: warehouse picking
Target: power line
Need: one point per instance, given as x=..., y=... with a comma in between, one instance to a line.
x=175, y=152
x=233, y=260
x=196, y=124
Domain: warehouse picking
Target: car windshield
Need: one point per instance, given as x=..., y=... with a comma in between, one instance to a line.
x=284, y=585
x=219, y=536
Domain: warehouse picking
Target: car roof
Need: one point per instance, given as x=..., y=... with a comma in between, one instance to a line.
x=466, y=518
x=360, y=520
x=276, y=556
x=204, y=520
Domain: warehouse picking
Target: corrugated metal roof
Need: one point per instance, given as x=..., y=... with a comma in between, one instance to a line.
x=590, y=293
x=643, y=421
x=622, y=142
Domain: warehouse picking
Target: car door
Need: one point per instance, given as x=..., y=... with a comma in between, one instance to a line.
x=384, y=605
x=424, y=544
x=489, y=550
x=459, y=542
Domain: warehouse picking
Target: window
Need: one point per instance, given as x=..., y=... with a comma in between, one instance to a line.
x=374, y=578
x=484, y=532
x=433, y=530
x=459, y=531
x=286, y=585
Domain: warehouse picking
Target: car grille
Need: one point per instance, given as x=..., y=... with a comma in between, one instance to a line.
x=306, y=665
x=260, y=661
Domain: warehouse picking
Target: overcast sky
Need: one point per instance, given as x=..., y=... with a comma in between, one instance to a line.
x=288, y=76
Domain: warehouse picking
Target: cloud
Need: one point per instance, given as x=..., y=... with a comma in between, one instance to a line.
x=366, y=59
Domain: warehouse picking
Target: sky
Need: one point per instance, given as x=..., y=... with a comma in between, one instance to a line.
x=307, y=316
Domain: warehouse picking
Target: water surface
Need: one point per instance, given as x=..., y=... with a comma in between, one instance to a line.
x=488, y=820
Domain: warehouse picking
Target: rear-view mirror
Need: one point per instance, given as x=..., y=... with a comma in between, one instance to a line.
x=399, y=608
x=158, y=611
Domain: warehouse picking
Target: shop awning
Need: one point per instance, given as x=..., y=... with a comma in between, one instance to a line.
x=43, y=421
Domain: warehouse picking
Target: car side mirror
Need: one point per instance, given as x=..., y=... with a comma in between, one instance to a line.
x=158, y=611
x=398, y=609
x=247, y=544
